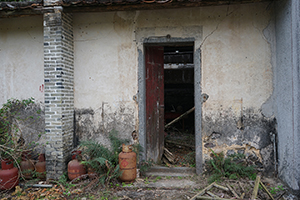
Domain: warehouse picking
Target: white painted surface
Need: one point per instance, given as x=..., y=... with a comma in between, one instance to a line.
x=236, y=58
x=21, y=56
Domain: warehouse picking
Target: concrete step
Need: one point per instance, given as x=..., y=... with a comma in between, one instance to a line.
x=170, y=171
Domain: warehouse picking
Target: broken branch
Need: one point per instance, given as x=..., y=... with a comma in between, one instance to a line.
x=264, y=187
x=180, y=117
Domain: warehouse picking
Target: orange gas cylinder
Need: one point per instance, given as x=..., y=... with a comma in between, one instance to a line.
x=9, y=175
x=40, y=167
x=75, y=168
x=127, y=162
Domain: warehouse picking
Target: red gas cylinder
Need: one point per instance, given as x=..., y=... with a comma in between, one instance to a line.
x=127, y=162
x=40, y=167
x=75, y=168
x=9, y=175
x=27, y=165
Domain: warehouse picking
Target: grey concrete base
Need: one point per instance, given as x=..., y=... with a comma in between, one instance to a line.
x=168, y=183
x=170, y=171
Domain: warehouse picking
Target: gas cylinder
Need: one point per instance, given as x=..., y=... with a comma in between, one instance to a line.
x=27, y=165
x=9, y=175
x=75, y=168
x=127, y=162
x=40, y=167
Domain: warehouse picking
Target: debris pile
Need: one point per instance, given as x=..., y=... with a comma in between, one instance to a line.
x=238, y=190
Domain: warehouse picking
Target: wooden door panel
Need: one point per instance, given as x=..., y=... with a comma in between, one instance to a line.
x=154, y=58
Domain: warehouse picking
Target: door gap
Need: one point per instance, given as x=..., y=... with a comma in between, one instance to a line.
x=178, y=99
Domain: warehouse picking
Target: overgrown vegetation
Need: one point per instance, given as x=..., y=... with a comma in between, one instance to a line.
x=12, y=143
x=145, y=165
x=102, y=160
x=233, y=167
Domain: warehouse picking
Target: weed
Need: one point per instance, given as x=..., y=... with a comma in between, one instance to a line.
x=232, y=167
x=146, y=180
x=103, y=160
x=145, y=165
x=105, y=195
x=168, y=177
x=274, y=190
x=63, y=180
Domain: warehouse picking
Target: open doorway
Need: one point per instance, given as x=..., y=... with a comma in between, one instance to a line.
x=179, y=103
x=169, y=71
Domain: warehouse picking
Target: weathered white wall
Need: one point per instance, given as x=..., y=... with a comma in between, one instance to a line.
x=235, y=64
x=105, y=74
x=21, y=56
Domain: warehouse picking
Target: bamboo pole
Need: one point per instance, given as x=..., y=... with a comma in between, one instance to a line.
x=255, y=190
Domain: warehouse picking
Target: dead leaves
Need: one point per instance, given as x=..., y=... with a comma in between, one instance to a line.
x=55, y=192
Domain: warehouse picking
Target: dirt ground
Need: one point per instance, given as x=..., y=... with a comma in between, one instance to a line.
x=144, y=188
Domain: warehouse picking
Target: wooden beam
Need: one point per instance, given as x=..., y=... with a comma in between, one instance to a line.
x=17, y=9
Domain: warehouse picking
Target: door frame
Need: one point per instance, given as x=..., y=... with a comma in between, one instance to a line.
x=164, y=41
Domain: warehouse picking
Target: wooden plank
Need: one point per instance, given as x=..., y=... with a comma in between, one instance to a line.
x=212, y=194
x=203, y=191
x=221, y=187
x=232, y=190
x=255, y=190
x=169, y=156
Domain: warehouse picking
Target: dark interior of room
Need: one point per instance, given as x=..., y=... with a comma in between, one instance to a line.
x=178, y=99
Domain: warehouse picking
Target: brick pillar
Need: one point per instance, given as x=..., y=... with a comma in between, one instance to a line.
x=59, y=94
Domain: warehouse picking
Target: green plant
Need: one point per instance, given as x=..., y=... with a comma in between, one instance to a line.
x=102, y=160
x=232, y=167
x=63, y=180
x=146, y=180
x=274, y=190
x=145, y=165
x=12, y=143
x=156, y=179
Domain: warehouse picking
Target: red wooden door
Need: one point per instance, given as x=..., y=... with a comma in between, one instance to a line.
x=154, y=57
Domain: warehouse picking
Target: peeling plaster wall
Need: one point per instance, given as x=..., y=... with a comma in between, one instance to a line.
x=21, y=55
x=236, y=71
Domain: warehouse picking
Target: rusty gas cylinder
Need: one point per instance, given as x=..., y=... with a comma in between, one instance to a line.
x=75, y=168
x=127, y=162
x=40, y=167
x=9, y=175
x=27, y=165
